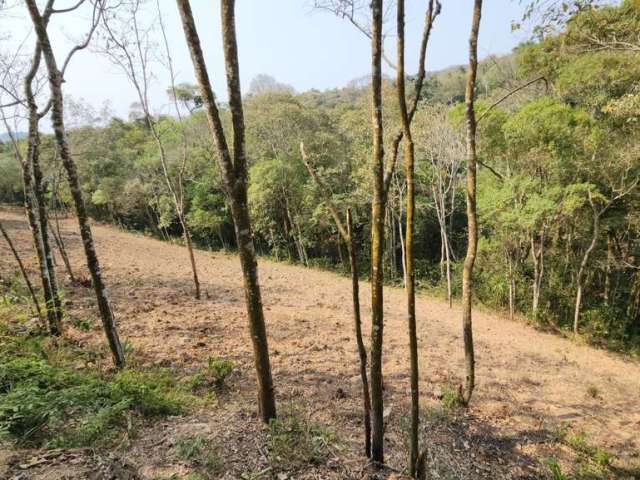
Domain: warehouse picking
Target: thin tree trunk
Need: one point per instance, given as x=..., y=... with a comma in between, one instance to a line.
x=234, y=173
x=448, y=268
x=537, y=255
x=362, y=351
x=57, y=235
x=608, y=269
x=192, y=258
x=32, y=177
x=25, y=275
x=63, y=253
x=403, y=251
x=348, y=237
x=57, y=120
x=472, y=221
x=409, y=159
x=583, y=267
x=378, y=208
x=33, y=159
x=511, y=282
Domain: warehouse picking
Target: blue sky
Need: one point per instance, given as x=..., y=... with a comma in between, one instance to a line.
x=286, y=39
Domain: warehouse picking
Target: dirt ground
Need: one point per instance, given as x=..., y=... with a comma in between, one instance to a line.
x=530, y=385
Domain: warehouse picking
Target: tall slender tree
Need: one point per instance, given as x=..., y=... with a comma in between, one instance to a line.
x=129, y=47
x=234, y=174
x=472, y=216
x=410, y=281
x=346, y=232
x=57, y=120
x=382, y=175
x=31, y=209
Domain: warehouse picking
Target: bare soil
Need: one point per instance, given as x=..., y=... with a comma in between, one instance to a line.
x=531, y=385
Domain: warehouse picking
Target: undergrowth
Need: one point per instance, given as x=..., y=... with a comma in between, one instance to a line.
x=294, y=440
x=47, y=400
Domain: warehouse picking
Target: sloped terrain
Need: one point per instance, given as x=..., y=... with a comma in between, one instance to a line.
x=539, y=396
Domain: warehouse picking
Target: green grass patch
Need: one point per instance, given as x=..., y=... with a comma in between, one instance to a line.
x=49, y=399
x=212, y=376
x=294, y=440
x=201, y=453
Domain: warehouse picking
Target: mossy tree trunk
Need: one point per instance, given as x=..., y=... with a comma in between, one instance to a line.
x=234, y=174
x=57, y=120
x=472, y=217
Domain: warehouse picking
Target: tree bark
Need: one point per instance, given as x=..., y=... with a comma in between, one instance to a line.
x=409, y=159
x=347, y=236
x=472, y=221
x=234, y=173
x=57, y=120
x=25, y=275
x=377, y=237
x=362, y=351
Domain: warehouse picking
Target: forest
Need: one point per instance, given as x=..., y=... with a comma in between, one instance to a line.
x=449, y=259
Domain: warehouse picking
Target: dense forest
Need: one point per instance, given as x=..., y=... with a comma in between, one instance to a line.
x=376, y=180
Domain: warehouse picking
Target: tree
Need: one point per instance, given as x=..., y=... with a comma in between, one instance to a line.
x=381, y=177
x=234, y=174
x=346, y=232
x=131, y=55
x=57, y=120
x=410, y=285
x=472, y=221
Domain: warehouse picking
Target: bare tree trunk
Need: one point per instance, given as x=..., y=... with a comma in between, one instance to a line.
x=583, y=265
x=362, y=351
x=56, y=234
x=234, y=173
x=409, y=159
x=347, y=236
x=447, y=251
x=537, y=255
x=57, y=120
x=33, y=160
x=135, y=65
x=512, y=284
x=377, y=238
x=25, y=275
x=30, y=209
x=32, y=175
x=472, y=220
x=608, y=269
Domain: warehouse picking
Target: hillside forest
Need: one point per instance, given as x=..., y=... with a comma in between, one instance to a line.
x=506, y=185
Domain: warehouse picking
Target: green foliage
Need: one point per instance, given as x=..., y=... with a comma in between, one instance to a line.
x=294, y=440
x=213, y=375
x=45, y=401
